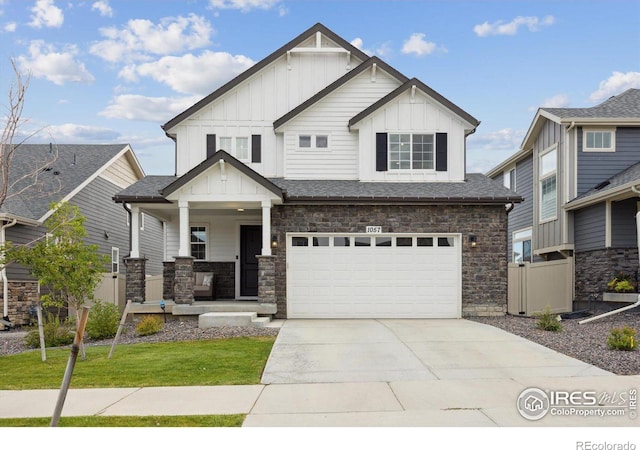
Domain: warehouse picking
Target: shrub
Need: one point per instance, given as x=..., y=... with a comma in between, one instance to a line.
x=103, y=322
x=622, y=338
x=622, y=282
x=149, y=325
x=57, y=333
x=548, y=321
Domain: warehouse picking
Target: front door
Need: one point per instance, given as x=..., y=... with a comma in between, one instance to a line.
x=250, y=246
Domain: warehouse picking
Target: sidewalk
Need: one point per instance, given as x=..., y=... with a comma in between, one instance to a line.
x=425, y=403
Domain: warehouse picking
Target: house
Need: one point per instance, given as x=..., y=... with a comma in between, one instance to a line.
x=86, y=176
x=578, y=169
x=322, y=182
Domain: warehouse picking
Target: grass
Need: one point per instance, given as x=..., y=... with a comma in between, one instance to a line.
x=232, y=420
x=234, y=361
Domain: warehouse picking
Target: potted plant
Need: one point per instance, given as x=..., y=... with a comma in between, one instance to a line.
x=621, y=288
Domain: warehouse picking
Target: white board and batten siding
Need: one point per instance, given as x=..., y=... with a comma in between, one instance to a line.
x=325, y=280
x=328, y=117
x=418, y=115
x=253, y=106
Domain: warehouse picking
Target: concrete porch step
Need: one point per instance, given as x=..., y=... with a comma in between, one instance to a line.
x=231, y=319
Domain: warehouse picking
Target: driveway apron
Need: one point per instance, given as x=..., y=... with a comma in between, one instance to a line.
x=365, y=350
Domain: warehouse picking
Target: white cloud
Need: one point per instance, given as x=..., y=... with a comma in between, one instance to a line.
x=417, y=45
x=59, y=67
x=557, y=101
x=151, y=109
x=190, y=74
x=244, y=5
x=618, y=82
x=500, y=28
x=74, y=133
x=359, y=44
x=102, y=6
x=10, y=27
x=46, y=14
x=382, y=50
x=487, y=150
x=140, y=38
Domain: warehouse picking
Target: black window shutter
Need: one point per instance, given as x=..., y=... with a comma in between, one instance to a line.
x=211, y=145
x=256, y=148
x=381, y=152
x=441, y=152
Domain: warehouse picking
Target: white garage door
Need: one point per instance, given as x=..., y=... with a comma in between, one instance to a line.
x=373, y=276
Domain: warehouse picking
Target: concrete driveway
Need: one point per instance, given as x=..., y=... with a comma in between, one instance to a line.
x=320, y=351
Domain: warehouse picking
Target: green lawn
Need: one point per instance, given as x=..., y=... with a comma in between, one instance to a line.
x=232, y=420
x=234, y=361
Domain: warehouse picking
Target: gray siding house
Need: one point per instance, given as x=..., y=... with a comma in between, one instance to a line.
x=578, y=170
x=87, y=176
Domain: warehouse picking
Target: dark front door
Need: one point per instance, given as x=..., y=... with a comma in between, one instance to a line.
x=250, y=246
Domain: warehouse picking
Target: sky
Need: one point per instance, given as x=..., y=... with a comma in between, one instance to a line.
x=113, y=71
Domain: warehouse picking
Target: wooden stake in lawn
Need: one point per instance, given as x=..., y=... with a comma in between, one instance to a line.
x=75, y=348
x=124, y=318
x=43, y=351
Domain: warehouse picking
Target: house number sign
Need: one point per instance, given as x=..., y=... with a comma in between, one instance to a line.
x=373, y=230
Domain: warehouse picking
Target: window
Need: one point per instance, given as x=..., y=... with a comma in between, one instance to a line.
x=411, y=151
x=510, y=179
x=320, y=241
x=425, y=242
x=404, y=242
x=299, y=242
x=548, y=191
x=198, y=237
x=362, y=242
x=115, y=260
x=341, y=242
x=304, y=141
x=522, y=246
x=241, y=148
x=383, y=242
x=313, y=141
x=598, y=141
x=445, y=242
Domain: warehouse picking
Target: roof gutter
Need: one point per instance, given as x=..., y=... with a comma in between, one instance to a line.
x=596, y=198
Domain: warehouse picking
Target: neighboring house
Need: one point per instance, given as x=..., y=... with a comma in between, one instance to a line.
x=86, y=176
x=322, y=182
x=578, y=170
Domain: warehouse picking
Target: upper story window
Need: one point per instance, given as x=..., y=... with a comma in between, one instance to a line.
x=313, y=141
x=509, y=179
x=598, y=140
x=237, y=146
x=411, y=151
x=548, y=185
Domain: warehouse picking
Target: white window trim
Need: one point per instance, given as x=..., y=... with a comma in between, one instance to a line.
x=141, y=221
x=586, y=149
x=234, y=147
x=514, y=241
x=313, y=145
x=511, y=172
x=411, y=169
x=206, y=242
x=115, y=261
x=541, y=179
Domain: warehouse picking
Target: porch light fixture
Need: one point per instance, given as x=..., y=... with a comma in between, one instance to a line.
x=473, y=240
x=274, y=241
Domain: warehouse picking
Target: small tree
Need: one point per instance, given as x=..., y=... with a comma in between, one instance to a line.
x=62, y=262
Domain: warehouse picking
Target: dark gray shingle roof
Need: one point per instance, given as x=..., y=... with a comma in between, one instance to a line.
x=147, y=189
x=624, y=105
x=75, y=163
x=629, y=175
x=476, y=189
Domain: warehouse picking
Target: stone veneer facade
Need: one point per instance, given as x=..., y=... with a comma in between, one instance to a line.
x=225, y=278
x=484, y=268
x=595, y=268
x=135, y=289
x=22, y=295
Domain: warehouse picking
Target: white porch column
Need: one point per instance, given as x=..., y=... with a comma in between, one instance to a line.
x=135, y=232
x=184, y=229
x=266, y=228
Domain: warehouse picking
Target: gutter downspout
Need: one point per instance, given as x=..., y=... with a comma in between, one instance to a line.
x=637, y=303
x=3, y=272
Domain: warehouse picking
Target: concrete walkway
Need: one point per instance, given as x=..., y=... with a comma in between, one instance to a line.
x=424, y=373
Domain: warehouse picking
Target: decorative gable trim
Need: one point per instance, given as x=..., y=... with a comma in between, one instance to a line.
x=209, y=162
x=261, y=65
x=373, y=63
x=472, y=121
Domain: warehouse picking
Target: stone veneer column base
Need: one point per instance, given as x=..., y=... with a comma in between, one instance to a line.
x=266, y=279
x=135, y=284
x=183, y=287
